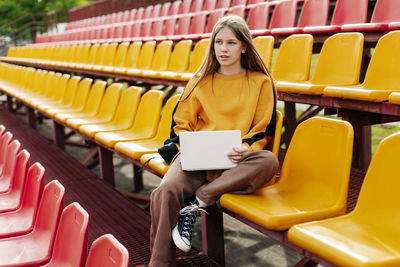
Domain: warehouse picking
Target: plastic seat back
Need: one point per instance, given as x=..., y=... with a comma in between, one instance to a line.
x=198, y=23
x=223, y=4
x=165, y=9
x=132, y=56
x=81, y=94
x=164, y=127
x=313, y=13
x=32, y=191
x=377, y=201
x=294, y=59
x=107, y=251
x=146, y=55
x=284, y=14
x=61, y=87
x=184, y=7
x=120, y=55
x=5, y=139
x=2, y=129
x=9, y=166
x=214, y=16
x=349, y=11
x=173, y=10
x=209, y=5
x=19, y=174
x=109, y=54
x=49, y=211
x=91, y=59
x=274, y=144
x=161, y=56
x=94, y=99
x=199, y=52
x=386, y=11
x=70, y=90
x=180, y=56
x=196, y=6
x=237, y=10
x=383, y=71
x=339, y=61
x=265, y=46
x=318, y=162
x=109, y=102
x=70, y=243
x=148, y=113
x=258, y=16
x=101, y=54
x=127, y=107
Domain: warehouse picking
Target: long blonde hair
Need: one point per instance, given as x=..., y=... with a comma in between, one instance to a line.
x=250, y=59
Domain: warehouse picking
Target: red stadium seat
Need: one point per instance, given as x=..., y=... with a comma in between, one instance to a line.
x=209, y=5
x=8, y=172
x=196, y=6
x=165, y=9
x=173, y=10
x=21, y=221
x=5, y=139
x=284, y=15
x=184, y=8
x=197, y=26
x=346, y=12
x=35, y=248
x=70, y=244
x=238, y=3
x=107, y=251
x=237, y=10
x=313, y=13
x=385, y=12
x=223, y=4
x=11, y=200
x=257, y=20
x=212, y=19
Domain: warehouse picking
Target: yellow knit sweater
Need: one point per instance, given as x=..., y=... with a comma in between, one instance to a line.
x=244, y=102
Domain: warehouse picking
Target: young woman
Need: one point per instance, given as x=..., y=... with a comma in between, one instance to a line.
x=232, y=90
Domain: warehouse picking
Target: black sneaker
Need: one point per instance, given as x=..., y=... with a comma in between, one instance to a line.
x=182, y=232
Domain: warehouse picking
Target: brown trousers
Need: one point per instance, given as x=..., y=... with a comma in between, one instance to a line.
x=254, y=170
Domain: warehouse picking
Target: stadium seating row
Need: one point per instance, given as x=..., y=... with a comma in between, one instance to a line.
x=197, y=22
x=336, y=72
x=313, y=181
x=35, y=230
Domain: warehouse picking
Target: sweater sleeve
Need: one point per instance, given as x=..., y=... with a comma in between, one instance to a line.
x=264, y=122
x=184, y=119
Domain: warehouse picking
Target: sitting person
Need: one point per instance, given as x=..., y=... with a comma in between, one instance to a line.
x=232, y=90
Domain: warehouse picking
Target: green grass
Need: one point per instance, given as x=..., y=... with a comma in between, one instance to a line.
x=378, y=132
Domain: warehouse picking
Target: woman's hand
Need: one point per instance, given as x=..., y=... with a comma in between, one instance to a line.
x=237, y=153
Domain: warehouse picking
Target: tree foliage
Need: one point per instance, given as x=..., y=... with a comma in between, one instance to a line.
x=12, y=10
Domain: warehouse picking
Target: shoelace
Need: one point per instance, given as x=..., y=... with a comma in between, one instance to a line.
x=190, y=213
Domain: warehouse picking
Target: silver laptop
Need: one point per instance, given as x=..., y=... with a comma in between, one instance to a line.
x=207, y=150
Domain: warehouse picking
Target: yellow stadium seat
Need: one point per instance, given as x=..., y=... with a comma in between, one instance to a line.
x=155, y=162
x=135, y=149
x=91, y=106
x=50, y=81
x=265, y=46
x=84, y=58
x=131, y=59
x=100, y=57
x=338, y=64
x=369, y=235
x=179, y=61
x=144, y=125
x=294, y=59
x=313, y=180
x=144, y=59
x=124, y=115
x=70, y=91
x=56, y=94
x=382, y=77
x=109, y=55
x=160, y=59
x=91, y=59
x=199, y=52
x=66, y=94
x=106, y=110
x=120, y=55
x=79, y=101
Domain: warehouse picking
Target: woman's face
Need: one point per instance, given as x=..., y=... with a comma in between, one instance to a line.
x=228, y=49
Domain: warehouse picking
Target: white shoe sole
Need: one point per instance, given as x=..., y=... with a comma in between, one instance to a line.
x=179, y=243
